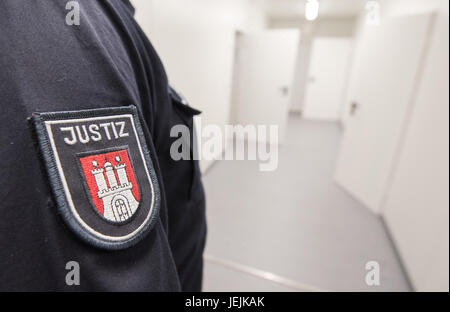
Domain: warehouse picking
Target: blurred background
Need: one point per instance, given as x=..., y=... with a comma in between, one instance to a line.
x=359, y=90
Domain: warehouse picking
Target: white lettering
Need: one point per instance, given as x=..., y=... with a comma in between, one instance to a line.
x=121, y=124
x=105, y=127
x=72, y=132
x=94, y=129
x=85, y=133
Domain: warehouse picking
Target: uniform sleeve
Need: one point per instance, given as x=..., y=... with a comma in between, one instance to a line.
x=49, y=66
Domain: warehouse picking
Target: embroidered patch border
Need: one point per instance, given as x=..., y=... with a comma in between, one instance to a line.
x=71, y=204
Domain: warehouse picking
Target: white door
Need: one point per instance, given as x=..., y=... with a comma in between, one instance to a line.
x=417, y=206
x=328, y=73
x=387, y=62
x=264, y=72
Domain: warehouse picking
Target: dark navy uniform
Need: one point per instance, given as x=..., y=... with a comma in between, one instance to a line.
x=105, y=62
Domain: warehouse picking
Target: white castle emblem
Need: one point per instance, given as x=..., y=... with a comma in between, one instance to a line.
x=118, y=200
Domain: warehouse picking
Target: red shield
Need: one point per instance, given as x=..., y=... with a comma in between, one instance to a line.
x=112, y=184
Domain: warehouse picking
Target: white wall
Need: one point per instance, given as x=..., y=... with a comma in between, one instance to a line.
x=195, y=40
x=417, y=204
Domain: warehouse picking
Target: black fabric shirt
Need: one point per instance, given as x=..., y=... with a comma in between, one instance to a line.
x=106, y=61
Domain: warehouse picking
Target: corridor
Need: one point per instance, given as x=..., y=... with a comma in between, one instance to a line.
x=255, y=218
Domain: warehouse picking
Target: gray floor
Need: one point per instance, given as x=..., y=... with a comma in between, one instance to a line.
x=293, y=229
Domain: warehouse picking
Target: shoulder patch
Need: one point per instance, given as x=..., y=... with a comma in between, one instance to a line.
x=101, y=173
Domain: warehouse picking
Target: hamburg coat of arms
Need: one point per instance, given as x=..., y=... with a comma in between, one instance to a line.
x=101, y=173
x=111, y=184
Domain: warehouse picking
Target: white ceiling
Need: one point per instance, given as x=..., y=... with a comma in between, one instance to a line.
x=296, y=8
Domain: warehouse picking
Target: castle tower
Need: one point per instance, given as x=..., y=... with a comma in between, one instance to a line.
x=110, y=175
x=99, y=177
x=119, y=203
x=121, y=172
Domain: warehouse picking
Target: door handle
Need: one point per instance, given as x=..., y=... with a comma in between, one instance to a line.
x=353, y=108
x=284, y=90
